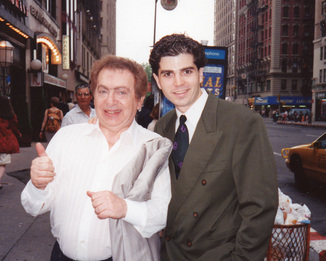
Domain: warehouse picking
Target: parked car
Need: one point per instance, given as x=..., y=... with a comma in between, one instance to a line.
x=297, y=111
x=307, y=162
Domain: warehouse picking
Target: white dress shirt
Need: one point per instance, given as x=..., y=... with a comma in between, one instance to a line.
x=83, y=162
x=193, y=114
x=76, y=115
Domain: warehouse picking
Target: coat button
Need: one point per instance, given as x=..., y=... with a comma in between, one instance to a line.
x=203, y=182
x=167, y=238
x=189, y=243
x=195, y=214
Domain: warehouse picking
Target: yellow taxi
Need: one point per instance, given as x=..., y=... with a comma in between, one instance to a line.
x=307, y=162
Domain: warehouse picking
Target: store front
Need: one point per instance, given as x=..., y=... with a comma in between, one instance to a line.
x=266, y=105
x=14, y=31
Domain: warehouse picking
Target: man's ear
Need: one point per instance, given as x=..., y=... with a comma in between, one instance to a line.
x=140, y=102
x=157, y=81
x=201, y=74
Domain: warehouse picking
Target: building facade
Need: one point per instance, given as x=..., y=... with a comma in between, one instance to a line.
x=55, y=45
x=274, y=61
x=225, y=31
x=319, y=75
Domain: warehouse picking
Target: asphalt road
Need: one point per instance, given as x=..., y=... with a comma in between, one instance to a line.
x=285, y=136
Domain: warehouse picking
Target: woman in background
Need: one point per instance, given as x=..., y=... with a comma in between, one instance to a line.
x=8, y=132
x=52, y=114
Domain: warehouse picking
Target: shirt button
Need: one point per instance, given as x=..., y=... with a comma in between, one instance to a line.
x=203, y=182
x=167, y=238
x=195, y=214
x=189, y=243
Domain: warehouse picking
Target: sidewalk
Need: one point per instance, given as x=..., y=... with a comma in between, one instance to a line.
x=28, y=238
x=22, y=237
x=315, y=124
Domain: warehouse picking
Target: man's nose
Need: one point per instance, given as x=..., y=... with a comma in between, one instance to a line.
x=111, y=97
x=178, y=80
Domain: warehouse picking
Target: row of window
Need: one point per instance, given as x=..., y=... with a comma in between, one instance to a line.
x=322, y=75
x=294, y=84
x=296, y=11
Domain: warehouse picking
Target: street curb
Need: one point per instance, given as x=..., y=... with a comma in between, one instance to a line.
x=318, y=244
x=303, y=124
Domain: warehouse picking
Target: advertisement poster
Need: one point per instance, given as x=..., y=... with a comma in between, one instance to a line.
x=214, y=79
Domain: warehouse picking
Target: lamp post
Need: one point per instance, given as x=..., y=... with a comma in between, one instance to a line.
x=6, y=59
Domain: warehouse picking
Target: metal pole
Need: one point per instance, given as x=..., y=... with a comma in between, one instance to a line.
x=154, y=36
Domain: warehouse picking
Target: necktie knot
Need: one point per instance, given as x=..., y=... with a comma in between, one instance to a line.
x=183, y=119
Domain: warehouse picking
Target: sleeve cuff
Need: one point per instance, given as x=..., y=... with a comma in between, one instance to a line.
x=136, y=213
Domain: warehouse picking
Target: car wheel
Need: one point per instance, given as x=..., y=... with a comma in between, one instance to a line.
x=300, y=179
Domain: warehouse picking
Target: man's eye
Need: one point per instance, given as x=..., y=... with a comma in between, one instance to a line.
x=167, y=74
x=103, y=92
x=188, y=71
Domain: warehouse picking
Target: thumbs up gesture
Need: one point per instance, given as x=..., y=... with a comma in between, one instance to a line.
x=42, y=169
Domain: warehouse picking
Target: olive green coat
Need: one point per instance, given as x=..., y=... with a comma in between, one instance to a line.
x=224, y=203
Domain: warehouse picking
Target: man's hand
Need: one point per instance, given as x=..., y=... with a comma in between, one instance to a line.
x=42, y=169
x=108, y=205
x=92, y=120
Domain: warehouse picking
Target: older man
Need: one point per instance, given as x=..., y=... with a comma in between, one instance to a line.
x=109, y=193
x=82, y=112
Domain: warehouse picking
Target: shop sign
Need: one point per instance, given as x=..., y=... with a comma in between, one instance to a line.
x=50, y=79
x=215, y=54
x=39, y=16
x=20, y=6
x=288, y=100
x=36, y=79
x=65, y=53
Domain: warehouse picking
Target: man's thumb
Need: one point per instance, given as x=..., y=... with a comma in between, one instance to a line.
x=90, y=194
x=40, y=149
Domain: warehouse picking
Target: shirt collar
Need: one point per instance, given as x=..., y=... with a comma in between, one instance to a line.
x=129, y=134
x=194, y=112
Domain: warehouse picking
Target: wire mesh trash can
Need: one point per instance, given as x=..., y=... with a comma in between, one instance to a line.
x=289, y=243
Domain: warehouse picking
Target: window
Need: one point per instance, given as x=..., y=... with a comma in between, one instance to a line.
x=322, y=28
x=285, y=48
x=283, y=84
x=295, y=67
x=320, y=76
x=323, y=7
x=295, y=48
x=285, y=11
x=284, y=66
x=294, y=86
x=285, y=30
x=296, y=11
x=268, y=85
x=324, y=76
x=321, y=53
x=296, y=30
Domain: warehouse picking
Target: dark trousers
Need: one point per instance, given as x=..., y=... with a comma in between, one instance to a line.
x=57, y=254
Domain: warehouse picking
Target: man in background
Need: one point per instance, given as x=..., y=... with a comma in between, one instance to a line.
x=82, y=111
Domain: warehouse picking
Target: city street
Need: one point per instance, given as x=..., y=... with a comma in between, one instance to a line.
x=24, y=237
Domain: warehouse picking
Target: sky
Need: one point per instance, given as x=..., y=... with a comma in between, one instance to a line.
x=135, y=24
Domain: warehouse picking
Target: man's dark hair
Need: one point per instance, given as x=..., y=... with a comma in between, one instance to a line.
x=173, y=45
x=81, y=86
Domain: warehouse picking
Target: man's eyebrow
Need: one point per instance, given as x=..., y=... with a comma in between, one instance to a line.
x=182, y=69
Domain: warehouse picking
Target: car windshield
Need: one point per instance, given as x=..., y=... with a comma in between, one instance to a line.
x=322, y=138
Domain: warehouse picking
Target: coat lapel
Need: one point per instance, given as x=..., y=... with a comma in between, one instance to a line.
x=202, y=146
